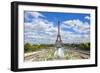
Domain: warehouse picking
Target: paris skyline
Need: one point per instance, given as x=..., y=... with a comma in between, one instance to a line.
x=41, y=27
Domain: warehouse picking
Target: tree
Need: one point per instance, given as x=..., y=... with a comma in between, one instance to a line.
x=85, y=46
x=27, y=47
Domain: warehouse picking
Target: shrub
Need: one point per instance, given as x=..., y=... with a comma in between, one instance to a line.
x=27, y=47
x=35, y=47
x=85, y=46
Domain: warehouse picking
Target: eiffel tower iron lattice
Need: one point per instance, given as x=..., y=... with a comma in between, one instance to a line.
x=59, y=52
x=58, y=43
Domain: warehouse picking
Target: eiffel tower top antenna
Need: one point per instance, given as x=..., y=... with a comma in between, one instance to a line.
x=58, y=22
x=58, y=27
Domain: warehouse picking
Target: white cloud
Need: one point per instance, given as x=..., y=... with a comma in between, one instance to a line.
x=87, y=17
x=41, y=30
x=69, y=37
x=81, y=28
x=77, y=25
x=34, y=14
x=29, y=15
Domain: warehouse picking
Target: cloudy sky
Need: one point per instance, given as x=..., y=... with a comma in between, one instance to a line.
x=41, y=27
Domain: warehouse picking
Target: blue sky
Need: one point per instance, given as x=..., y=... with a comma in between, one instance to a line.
x=39, y=26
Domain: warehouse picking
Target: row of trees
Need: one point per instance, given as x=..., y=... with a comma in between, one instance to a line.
x=81, y=46
x=85, y=46
x=29, y=47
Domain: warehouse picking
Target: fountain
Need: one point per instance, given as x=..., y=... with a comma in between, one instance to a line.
x=59, y=53
x=59, y=50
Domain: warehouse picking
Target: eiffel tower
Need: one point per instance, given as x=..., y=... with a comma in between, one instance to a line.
x=59, y=52
x=58, y=43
